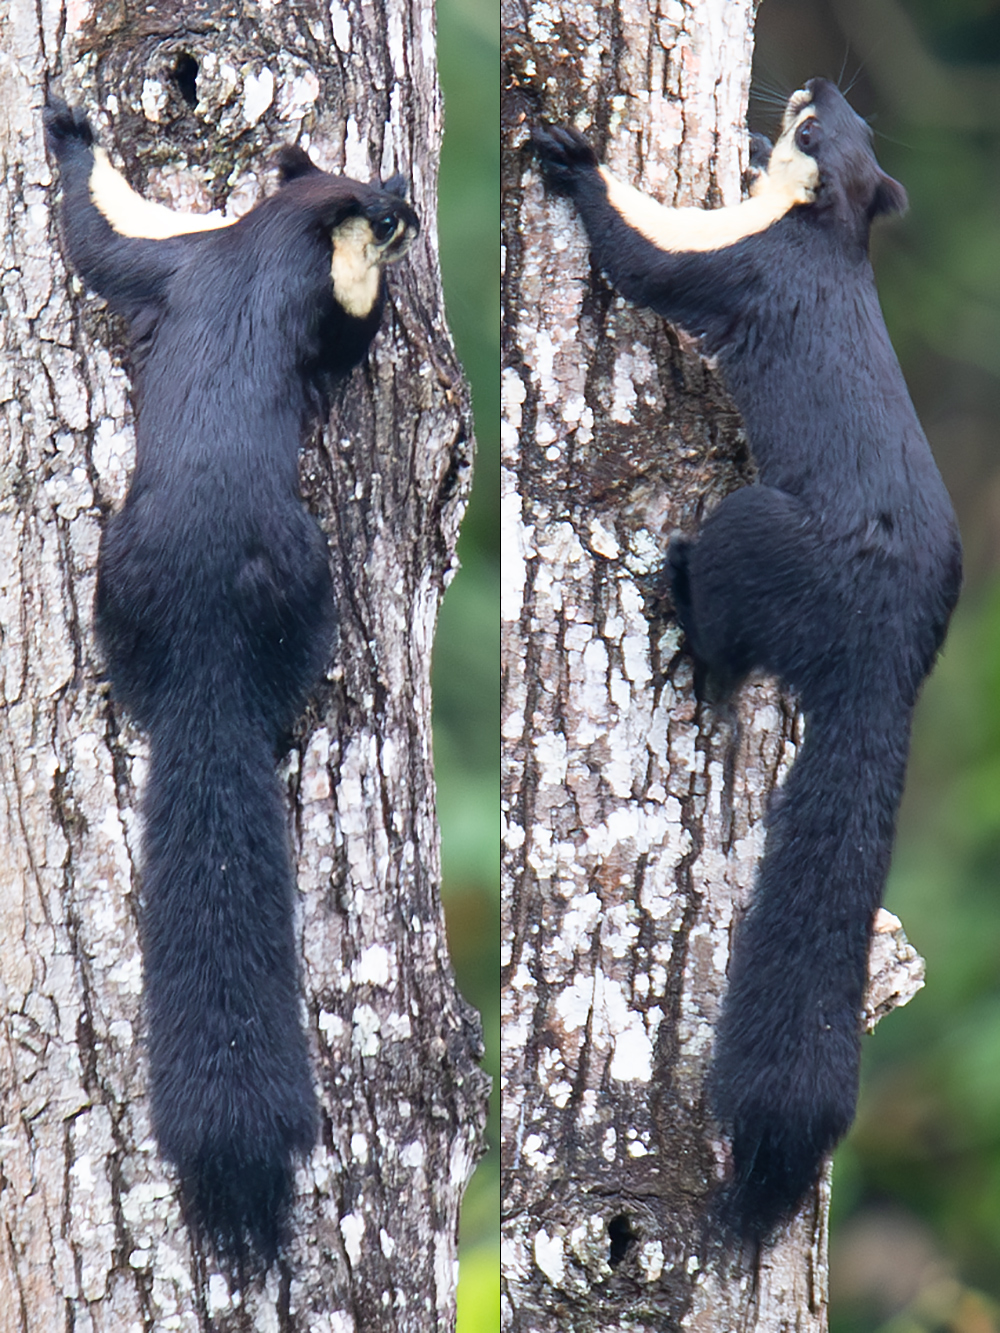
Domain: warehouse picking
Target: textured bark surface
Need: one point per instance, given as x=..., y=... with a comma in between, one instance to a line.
x=632, y=817
x=91, y=1236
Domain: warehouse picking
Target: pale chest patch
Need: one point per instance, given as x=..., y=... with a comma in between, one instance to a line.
x=355, y=267
x=790, y=179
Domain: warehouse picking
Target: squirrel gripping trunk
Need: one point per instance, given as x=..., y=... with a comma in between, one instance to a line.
x=836, y=573
x=215, y=613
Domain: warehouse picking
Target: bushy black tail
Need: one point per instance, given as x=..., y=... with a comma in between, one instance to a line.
x=785, y=1075
x=232, y=1097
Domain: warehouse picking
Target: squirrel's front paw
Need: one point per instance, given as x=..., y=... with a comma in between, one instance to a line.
x=563, y=154
x=66, y=127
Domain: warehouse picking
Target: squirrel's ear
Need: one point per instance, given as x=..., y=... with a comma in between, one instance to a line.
x=293, y=162
x=760, y=152
x=890, y=197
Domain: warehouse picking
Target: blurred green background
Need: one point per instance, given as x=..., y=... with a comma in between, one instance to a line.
x=916, y=1213
x=467, y=647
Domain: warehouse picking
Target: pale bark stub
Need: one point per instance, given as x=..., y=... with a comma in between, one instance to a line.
x=91, y=1229
x=632, y=820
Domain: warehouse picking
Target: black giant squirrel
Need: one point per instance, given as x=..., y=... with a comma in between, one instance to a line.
x=214, y=611
x=836, y=572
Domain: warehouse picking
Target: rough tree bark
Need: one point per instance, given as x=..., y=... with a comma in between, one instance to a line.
x=91, y=1233
x=633, y=818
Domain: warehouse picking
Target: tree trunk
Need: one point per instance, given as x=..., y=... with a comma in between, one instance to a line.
x=633, y=817
x=92, y=1235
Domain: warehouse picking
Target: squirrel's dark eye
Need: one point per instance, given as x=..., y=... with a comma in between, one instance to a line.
x=809, y=135
x=383, y=227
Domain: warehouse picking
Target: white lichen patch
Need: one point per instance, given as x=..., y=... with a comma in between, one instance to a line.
x=332, y=1026
x=549, y=1256
x=315, y=776
x=632, y=1060
x=588, y=1243
x=374, y=967
x=112, y=453
x=91, y=1225
x=632, y=368
x=396, y=42
x=367, y=1028
x=650, y=1259
x=603, y=541
x=340, y=21
x=356, y=163
x=258, y=94
x=445, y=1262
x=620, y=930
x=153, y=100
x=412, y=1155
x=559, y=1092
x=352, y=1230
x=69, y=492
x=615, y=1028
x=550, y=757
x=219, y=1296
x=359, y=1147
x=533, y=1152
x=298, y=94
x=580, y=919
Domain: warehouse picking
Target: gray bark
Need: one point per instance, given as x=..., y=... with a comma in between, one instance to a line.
x=91, y=1236
x=633, y=819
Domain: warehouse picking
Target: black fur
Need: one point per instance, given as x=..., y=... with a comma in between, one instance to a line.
x=837, y=573
x=214, y=610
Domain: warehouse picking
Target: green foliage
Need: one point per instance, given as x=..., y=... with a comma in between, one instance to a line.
x=466, y=697
x=478, y=1290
